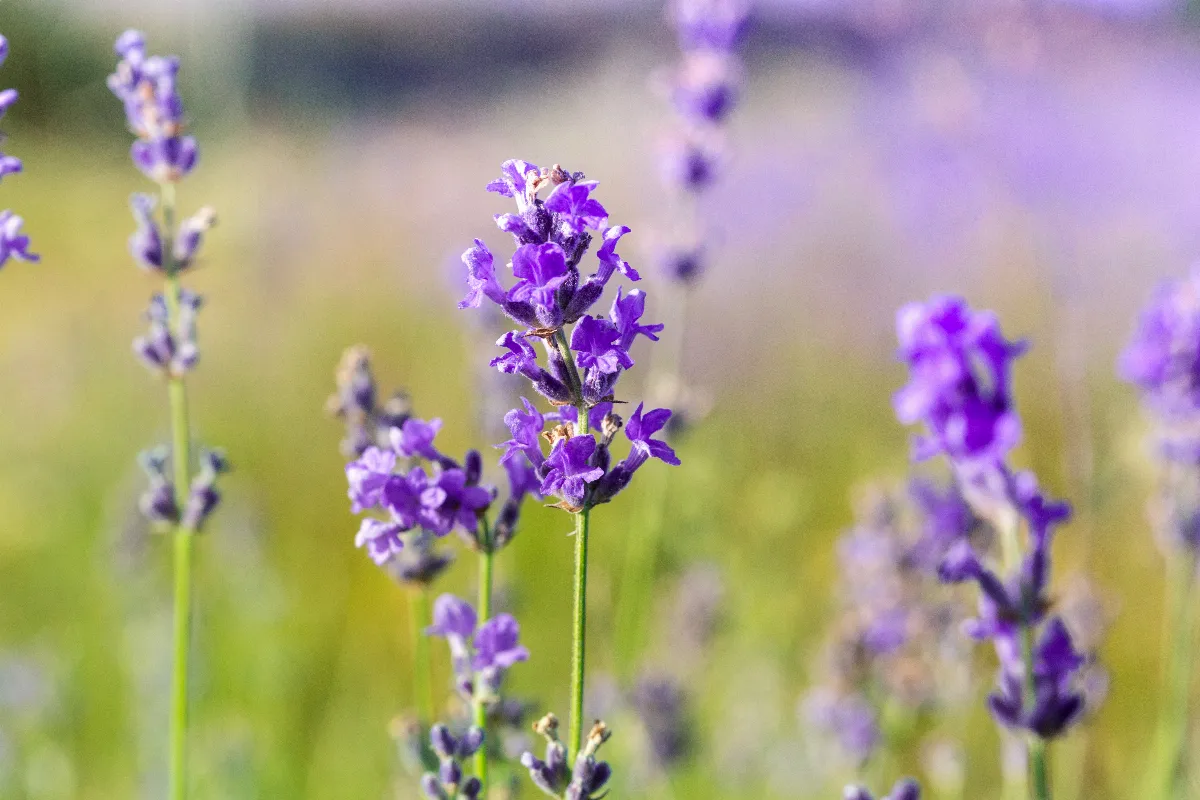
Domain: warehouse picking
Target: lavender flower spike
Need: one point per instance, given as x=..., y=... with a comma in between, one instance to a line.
x=13, y=243
x=585, y=781
x=906, y=789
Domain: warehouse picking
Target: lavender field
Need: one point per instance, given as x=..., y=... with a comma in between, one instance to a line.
x=914, y=281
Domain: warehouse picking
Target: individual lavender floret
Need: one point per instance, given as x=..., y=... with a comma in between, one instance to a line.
x=847, y=716
x=153, y=110
x=368, y=423
x=13, y=243
x=158, y=504
x=480, y=654
x=448, y=783
x=203, y=497
x=146, y=243
x=586, y=780
x=959, y=388
x=906, y=789
x=173, y=354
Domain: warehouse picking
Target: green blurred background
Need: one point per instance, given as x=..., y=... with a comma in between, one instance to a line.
x=345, y=147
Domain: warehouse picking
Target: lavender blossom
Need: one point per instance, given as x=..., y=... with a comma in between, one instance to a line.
x=448, y=782
x=153, y=110
x=661, y=705
x=13, y=243
x=480, y=654
x=585, y=781
x=356, y=402
x=170, y=353
x=960, y=389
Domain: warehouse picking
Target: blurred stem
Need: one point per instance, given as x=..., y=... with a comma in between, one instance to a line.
x=418, y=612
x=1036, y=746
x=486, y=557
x=1176, y=716
x=183, y=541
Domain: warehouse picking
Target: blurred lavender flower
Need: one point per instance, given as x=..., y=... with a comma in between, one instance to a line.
x=960, y=389
x=170, y=353
x=153, y=110
x=357, y=403
x=896, y=638
x=13, y=243
x=480, y=654
x=906, y=789
x=448, y=782
x=660, y=703
x=585, y=781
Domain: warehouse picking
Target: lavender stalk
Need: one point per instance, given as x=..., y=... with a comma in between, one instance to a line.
x=1161, y=362
x=13, y=243
x=146, y=85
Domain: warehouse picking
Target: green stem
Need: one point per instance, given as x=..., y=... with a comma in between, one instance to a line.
x=418, y=612
x=579, y=632
x=1039, y=772
x=1176, y=715
x=183, y=538
x=486, y=557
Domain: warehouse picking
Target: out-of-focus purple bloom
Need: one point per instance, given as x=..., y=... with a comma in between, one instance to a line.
x=452, y=617
x=367, y=477
x=368, y=423
x=660, y=703
x=706, y=87
x=381, y=539
x=959, y=382
x=1162, y=358
x=448, y=783
x=1056, y=702
x=157, y=503
x=146, y=85
x=497, y=644
x=714, y=25
x=847, y=717
x=482, y=654
x=14, y=243
x=203, y=497
x=172, y=353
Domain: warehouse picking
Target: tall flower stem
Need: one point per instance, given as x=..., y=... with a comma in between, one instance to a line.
x=579, y=633
x=418, y=612
x=1176, y=714
x=486, y=557
x=1036, y=746
x=183, y=537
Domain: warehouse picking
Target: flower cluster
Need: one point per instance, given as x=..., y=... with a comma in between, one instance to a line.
x=158, y=503
x=170, y=353
x=1162, y=360
x=550, y=293
x=153, y=110
x=451, y=750
x=439, y=498
x=480, y=654
x=13, y=243
x=896, y=638
x=586, y=780
x=703, y=89
x=147, y=245
x=905, y=789
x=368, y=422
x=959, y=388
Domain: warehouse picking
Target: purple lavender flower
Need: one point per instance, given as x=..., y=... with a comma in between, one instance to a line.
x=414, y=438
x=172, y=353
x=1162, y=360
x=596, y=341
x=576, y=208
x=368, y=423
x=13, y=243
x=846, y=716
x=712, y=25
x=381, y=539
x=448, y=782
x=626, y=315
x=585, y=781
x=146, y=85
x=1056, y=703
x=480, y=655
x=203, y=497
x=706, y=87
x=959, y=384
x=661, y=704
x=569, y=469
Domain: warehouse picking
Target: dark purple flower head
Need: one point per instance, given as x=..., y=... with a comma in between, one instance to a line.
x=569, y=469
x=1057, y=702
x=1162, y=358
x=640, y=430
x=452, y=617
x=959, y=382
x=597, y=344
x=690, y=163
